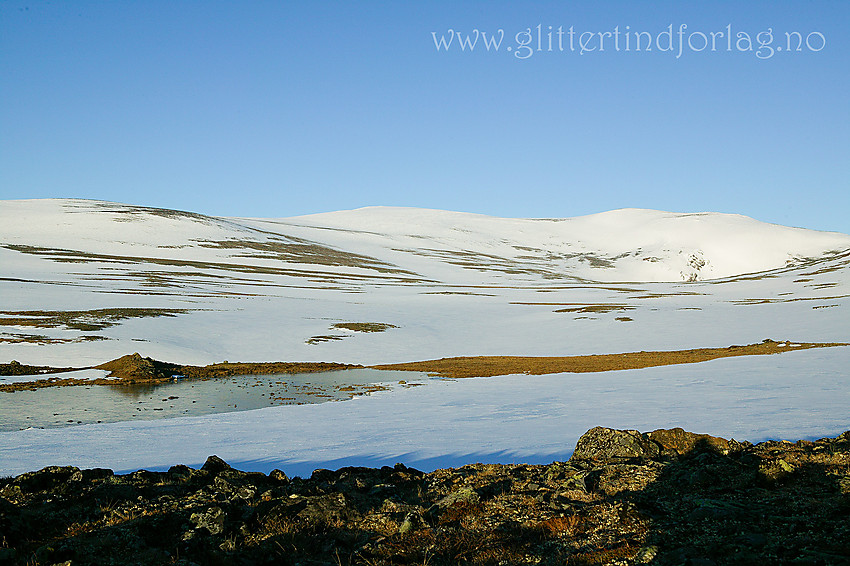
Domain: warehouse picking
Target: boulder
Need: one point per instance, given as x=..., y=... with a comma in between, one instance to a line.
x=214, y=465
x=279, y=475
x=681, y=442
x=606, y=445
x=330, y=509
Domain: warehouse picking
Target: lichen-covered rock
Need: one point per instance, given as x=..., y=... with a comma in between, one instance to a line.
x=681, y=442
x=330, y=509
x=45, y=479
x=601, y=444
x=279, y=476
x=211, y=519
x=463, y=495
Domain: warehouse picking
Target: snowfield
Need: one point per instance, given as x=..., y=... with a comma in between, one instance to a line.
x=83, y=282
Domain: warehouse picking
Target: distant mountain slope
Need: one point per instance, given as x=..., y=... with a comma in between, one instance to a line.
x=620, y=245
x=399, y=243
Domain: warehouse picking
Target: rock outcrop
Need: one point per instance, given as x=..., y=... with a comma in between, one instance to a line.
x=606, y=445
x=625, y=497
x=136, y=367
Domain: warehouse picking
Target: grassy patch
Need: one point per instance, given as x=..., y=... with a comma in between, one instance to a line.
x=20, y=338
x=597, y=308
x=364, y=326
x=298, y=250
x=486, y=366
x=325, y=338
x=86, y=321
x=353, y=327
x=754, y=301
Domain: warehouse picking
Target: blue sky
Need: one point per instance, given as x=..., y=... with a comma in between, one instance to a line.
x=285, y=108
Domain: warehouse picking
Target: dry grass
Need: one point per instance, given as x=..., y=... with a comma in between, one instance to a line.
x=558, y=526
x=298, y=250
x=606, y=556
x=486, y=366
x=460, y=510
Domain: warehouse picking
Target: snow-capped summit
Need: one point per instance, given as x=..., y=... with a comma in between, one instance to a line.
x=452, y=247
x=620, y=245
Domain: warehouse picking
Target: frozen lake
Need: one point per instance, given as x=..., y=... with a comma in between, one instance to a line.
x=86, y=404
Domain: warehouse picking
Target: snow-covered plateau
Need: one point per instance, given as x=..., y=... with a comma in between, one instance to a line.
x=83, y=282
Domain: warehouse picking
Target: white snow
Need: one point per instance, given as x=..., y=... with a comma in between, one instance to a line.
x=452, y=284
x=642, y=245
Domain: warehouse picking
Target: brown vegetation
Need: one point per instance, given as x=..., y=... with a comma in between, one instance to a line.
x=364, y=326
x=87, y=321
x=486, y=366
x=137, y=369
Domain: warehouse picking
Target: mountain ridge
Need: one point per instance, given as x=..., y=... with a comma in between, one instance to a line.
x=624, y=245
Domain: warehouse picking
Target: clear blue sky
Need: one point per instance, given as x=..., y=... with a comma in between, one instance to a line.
x=285, y=108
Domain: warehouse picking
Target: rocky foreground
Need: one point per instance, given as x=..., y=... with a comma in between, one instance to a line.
x=665, y=497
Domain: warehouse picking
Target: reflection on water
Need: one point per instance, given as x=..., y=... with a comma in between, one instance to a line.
x=134, y=391
x=66, y=406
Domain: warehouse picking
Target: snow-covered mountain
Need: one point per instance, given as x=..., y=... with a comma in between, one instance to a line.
x=447, y=282
x=620, y=245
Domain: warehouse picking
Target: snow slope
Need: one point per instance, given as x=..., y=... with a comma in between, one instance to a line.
x=620, y=245
x=83, y=282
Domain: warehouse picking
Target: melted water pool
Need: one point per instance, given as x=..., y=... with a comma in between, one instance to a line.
x=85, y=404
